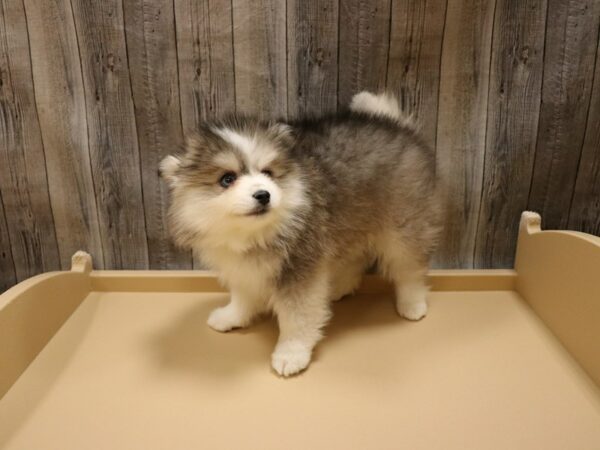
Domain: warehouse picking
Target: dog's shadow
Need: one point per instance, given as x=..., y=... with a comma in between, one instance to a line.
x=188, y=345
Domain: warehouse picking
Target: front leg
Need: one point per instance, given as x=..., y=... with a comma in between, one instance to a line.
x=302, y=311
x=238, y=313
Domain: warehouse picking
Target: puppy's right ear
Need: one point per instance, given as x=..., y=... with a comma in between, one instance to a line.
x=168, y=168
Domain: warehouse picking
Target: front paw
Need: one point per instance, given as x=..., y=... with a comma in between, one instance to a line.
x=225, y=319
x=412, y=311
x=290, y=358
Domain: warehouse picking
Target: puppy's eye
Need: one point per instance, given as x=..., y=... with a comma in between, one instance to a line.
x=268, y=173
x=228, y=179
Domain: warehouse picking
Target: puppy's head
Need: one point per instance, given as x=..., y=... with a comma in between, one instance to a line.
x=235, y=184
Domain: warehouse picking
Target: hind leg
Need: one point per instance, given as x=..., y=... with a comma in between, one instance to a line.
x=411, y=293
x=407, y=269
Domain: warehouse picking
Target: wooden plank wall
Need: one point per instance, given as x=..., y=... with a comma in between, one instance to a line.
x=94, y=94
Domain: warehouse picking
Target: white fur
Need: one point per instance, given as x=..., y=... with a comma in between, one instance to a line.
x=230, y=240
x=238, y=313
x=380, y=105
x=244, y=143
x=411, y=300
x=224, y=221
x=397, y=262
x=301, y=314
x=167, y=167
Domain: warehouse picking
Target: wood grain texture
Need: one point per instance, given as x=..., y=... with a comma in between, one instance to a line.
x=94, y=94
x=152, y=50
x=23, y=180
x=512, y=123
x=61, y=109
x=112, y=132
x=413, y=71
x=7, y=266
x=312, y=56
x=259, y=40
x=461, y=123
x=205, y=58
x=584, y=214
x=363, y=47
x=568, y=72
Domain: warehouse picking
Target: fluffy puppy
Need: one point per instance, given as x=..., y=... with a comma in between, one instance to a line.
x=291, y=214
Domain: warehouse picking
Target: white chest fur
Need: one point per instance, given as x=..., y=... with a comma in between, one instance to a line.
x=247, y=272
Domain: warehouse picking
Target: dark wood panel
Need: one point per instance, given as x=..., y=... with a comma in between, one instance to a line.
x=152, y=49
x=23, y=180
x=259, y=39
x=7, y=267
x=568, y=71
x=585, y=207
x=312, y=56
x=461, y=123
x=205, y=58
x=60, y=103
x=112, y=132
x=512, y=123
x=413, y=72
x=364, y=40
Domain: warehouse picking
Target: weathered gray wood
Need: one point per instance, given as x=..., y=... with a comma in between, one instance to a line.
x=205, y=58
x=112, y=132
x=93, y=94
x=413, y=72
x=512, y=123
x=363, y=47
x=259, y=40
x=461, y=123
x=312, y=56
x=23, y=180
x=568, y=71
x=585, y=207
x=7, y=266
x=151, y=45
x=60, y=103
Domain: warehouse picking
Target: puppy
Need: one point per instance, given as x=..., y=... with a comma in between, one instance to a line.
x=291, y=214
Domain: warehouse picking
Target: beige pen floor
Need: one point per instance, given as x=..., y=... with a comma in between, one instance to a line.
x=143, y=371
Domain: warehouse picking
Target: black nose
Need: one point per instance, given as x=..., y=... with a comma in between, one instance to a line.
x=262, y=197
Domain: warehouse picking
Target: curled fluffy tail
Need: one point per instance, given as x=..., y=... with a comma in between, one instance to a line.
x=381, y=105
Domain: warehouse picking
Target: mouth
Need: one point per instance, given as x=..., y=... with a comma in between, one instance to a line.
x=260, y=211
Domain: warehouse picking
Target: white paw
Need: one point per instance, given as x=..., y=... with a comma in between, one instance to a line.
x=412, y=311
x=225, y=319
x=289, y=358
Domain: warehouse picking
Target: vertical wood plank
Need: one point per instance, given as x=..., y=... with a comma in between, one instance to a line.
x=259, y=39
x=585, y=207
x=413, y=72
x=60, y=103
x=112, y=133
x=23, y=179
x=461, y=123
x=512, y=123
x=568, y=71
x=205, y=60
x=151, y=45
x=7, y=266
x=363, y=47
x=312, y=56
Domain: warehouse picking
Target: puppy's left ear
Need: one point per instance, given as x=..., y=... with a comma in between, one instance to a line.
x=282, y=133
x=168, y=168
